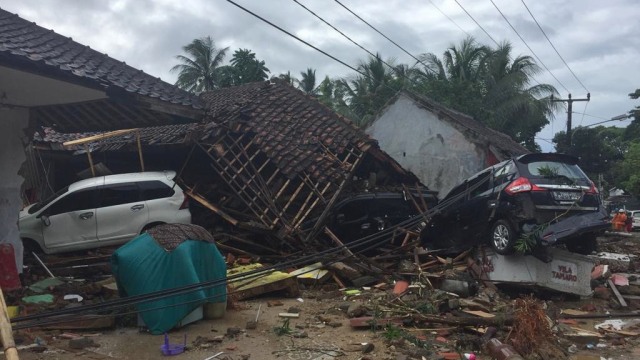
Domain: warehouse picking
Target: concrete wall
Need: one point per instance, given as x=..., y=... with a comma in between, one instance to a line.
x=12, y=155
x=434, y=150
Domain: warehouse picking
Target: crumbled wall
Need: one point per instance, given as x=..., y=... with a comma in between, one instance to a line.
x=12, y=155
x=439, y=154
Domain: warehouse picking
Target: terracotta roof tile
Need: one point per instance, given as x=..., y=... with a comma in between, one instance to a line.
x=293, y=129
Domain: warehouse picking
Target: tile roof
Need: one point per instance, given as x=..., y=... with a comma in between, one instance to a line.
x=503, y=142
x=26, y=45
x=295, y=130
x=289, y=127
x=154, y=135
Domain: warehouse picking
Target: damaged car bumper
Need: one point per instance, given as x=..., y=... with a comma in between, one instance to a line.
x=574, y=226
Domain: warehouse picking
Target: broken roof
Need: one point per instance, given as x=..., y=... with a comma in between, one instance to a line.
x=27, y=47
x=465, y=123
x=293, y=129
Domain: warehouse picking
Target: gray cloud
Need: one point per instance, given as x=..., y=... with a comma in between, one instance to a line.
x=598, y=39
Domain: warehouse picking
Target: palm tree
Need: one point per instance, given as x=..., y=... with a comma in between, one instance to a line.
x=491, y=86
x=247, y=67
x=307, y=82
x=518, y=108
x=198, y=69
x=367, y=93
x=286, y=77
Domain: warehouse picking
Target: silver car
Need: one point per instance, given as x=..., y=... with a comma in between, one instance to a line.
x=103, y=211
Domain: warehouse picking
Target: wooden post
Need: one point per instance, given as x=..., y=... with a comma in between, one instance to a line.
x=140, y=150
x=10, y=351
x=93, y=170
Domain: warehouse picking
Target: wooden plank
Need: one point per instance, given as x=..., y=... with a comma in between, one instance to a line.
x=212, y=207
x=93, y=170
x=613, y=287
x=98, y=137
x=480, y=313
x=312, y=206
x=6, y=334
x=140, y=150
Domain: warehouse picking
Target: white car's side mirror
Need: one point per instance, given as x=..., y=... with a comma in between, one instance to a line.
x=45, y=220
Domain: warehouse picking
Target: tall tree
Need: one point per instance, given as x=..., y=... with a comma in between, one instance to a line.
x=492, y=86
x=368, y=92
x=307, y=82
x=198, y=69
x=286, y=77
x=247, y=67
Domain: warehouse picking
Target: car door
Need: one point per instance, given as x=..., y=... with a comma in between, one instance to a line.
x=70, y=221
x=121, y=213
x=473, y=215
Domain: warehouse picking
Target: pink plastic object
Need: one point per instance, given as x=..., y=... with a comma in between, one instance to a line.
x=172, y=349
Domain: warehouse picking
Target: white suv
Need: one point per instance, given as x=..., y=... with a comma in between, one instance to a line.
x=102, y=211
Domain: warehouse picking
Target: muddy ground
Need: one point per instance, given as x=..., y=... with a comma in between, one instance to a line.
x=322, y=331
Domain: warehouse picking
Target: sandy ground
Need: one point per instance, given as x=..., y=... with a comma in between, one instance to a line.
x=327, y=330
x=259, y=343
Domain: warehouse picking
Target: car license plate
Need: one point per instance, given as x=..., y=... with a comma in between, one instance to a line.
x=566, y=195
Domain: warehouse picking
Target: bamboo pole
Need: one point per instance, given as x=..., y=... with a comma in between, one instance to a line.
x=93, y=170
x=140, y=150
x=6, y=334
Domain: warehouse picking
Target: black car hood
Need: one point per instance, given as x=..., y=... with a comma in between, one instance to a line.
x=575, y=225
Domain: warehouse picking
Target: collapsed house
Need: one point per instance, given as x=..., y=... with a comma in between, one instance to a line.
x=267, y=159
x=440, y=145
x=47, y=79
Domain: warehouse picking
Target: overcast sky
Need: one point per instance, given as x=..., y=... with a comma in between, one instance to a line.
x=600, y=40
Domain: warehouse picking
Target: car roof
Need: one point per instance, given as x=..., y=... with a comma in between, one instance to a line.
x=120, y=178
x=533, y=157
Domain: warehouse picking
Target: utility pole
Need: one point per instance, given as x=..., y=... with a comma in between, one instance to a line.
x=569, y=102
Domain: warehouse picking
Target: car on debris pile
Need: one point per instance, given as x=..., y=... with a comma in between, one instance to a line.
x=365, y=214
x=103, y=211
x=544, y=197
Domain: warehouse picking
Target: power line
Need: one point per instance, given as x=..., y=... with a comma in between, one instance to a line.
x=343, y=34
x=450, y=19
x=554, y=48
x=310, y=45
x=354, y=42
x=528, y=47
x=297, y=38
x=477, y=23
x=383, y=35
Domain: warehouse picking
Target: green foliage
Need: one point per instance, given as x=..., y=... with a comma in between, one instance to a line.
x=198, y=69
x=284, y=329
x=491, y=86
x=528, y=241
x=393, y=333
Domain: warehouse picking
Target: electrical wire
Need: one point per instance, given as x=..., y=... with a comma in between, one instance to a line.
x=357, y=44
x=372, y=241
x=450, y=19
x=297, y=38
x=528, y=47
x=554, y=48
x=477, y=23
x=383, y=35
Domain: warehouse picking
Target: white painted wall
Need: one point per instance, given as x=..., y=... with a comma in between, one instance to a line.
x=439, y=154
x=12, y=155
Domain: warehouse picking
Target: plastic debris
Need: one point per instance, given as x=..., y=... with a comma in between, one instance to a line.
x=172, y=349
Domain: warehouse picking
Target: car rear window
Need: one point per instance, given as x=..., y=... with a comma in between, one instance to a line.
x=556, y=173
x=155, y=190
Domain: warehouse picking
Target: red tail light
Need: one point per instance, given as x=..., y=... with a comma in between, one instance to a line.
x=521, y=184
x=185, y=203
x=593, y=189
